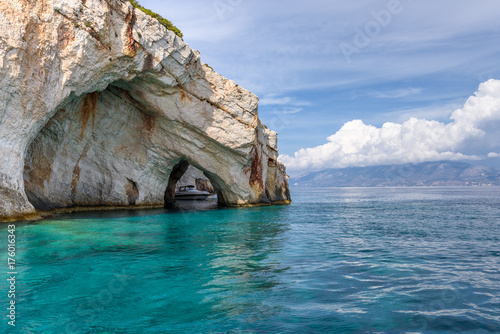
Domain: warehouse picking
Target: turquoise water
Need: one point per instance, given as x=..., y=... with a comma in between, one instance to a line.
x=352, y=260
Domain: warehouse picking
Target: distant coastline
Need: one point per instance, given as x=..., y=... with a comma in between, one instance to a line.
x=426, y=174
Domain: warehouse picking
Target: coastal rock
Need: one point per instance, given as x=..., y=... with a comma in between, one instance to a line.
x=101, y=105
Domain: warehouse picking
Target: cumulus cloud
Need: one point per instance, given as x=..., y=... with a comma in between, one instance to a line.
x=493, y=155
x=415, y=140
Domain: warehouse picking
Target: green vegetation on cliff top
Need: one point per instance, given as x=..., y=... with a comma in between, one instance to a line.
x=161, y=19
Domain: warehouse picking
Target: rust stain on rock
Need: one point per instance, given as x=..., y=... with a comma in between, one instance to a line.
x=148, y=125
x=185, y=97
x=75, y=179
x=33, y=59
x=256, y=177
x=42, y=167
x=88, y=110
x=131, y=45
x=65, y=36
x=95, y=34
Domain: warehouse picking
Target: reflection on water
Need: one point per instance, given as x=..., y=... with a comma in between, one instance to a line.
x=194, y=205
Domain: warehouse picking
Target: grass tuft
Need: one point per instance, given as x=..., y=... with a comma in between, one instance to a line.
x=169, y=25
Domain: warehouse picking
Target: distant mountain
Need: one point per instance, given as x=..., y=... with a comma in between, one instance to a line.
x=441, y=173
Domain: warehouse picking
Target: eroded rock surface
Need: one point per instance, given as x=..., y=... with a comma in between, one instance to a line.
x=99, y=103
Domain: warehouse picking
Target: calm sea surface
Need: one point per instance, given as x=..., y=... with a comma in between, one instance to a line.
x=338, y=260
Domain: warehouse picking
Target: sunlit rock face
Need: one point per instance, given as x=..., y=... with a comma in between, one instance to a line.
x=100, y=105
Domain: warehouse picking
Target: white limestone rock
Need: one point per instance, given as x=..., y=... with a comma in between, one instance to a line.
x=99, y=103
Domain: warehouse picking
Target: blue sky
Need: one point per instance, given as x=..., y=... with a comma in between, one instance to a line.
x=319, y=65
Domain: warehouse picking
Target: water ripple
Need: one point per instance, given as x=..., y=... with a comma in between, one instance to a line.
x=416, y=260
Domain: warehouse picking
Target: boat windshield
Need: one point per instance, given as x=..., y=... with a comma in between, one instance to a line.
x=187, y=188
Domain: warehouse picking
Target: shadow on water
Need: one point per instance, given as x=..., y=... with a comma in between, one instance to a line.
x=179, y=206
x=194, y=205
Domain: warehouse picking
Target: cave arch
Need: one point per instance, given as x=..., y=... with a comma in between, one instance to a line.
x=96, y=151
x=178, y=172
x=98, y=120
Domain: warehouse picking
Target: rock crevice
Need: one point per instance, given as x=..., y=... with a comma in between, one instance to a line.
x=100, y=103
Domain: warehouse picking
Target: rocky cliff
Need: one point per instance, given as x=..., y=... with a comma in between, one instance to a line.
x=101, y=105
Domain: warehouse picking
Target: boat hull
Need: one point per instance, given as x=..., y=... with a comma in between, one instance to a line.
x=191, y=197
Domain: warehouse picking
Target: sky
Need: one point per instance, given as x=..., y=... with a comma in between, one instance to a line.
x=359, y=83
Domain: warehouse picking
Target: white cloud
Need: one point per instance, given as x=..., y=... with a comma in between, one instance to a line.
x=273, y=99
x=493, y=155
x=283, y=47
x=397, y=93
x=288, y=111
x=415, y=140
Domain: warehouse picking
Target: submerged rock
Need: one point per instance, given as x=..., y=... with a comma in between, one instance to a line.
x=100, y=105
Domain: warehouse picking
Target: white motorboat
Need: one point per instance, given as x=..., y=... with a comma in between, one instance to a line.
x=190, y=193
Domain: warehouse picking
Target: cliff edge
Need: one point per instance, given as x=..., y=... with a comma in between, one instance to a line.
x=101, y=105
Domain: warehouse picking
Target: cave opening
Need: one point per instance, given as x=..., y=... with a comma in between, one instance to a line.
x=112, y=148
x=186, y=174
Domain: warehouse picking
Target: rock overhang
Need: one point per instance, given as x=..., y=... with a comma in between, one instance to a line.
x=99, y=104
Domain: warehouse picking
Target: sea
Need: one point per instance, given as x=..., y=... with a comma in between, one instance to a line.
x=337, y=260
